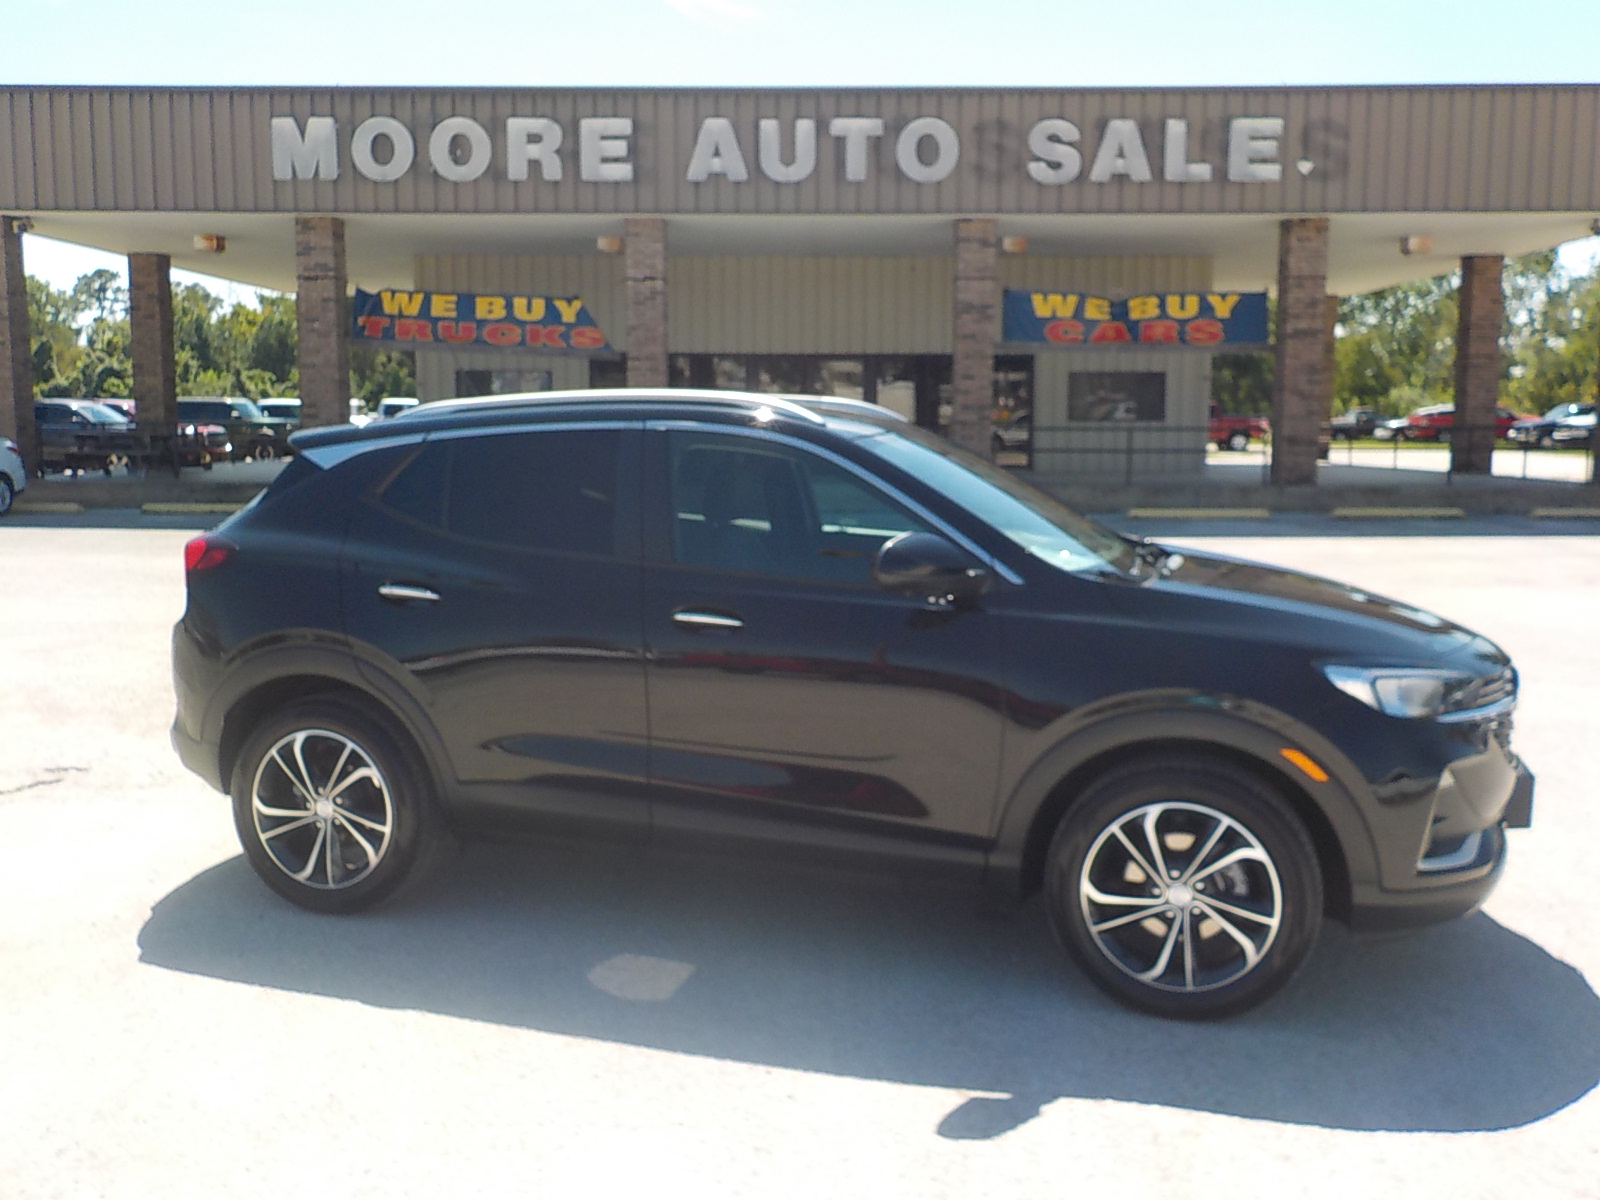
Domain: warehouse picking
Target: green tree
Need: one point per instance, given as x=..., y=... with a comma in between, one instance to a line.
x=376, y=373
x=1242, y=383
x=1553, y=346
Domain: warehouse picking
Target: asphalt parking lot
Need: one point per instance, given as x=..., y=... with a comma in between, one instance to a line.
x=563, y=1020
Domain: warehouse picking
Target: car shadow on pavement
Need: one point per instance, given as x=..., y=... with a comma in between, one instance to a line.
x=1467, y=1026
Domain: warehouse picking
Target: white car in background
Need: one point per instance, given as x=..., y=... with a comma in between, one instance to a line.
x=13, y=475
x=393, y=406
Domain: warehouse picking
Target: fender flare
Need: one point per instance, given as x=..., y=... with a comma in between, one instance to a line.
x=288, y=667
x=1242, y=730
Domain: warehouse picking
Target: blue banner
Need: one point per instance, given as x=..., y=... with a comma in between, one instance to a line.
x=1159, y=319
x=548, y=323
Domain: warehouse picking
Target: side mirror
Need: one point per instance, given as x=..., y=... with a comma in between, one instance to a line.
x=925, y=564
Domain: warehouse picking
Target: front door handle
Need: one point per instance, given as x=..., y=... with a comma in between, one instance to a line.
x=406, y=592
x=691, y=618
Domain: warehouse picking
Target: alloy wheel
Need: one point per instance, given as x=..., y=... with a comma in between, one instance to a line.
x=1180, y=896
x=322, y=810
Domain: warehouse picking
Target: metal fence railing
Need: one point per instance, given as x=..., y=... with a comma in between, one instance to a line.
x=1130, y=453
x=1564, y=455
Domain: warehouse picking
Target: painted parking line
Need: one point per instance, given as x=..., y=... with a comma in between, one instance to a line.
x=1565, y=512
x=46, y=506
x=164, y=507
x=1223, y=514
x=1397, y=513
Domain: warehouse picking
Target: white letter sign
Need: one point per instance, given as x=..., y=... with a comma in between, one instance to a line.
x=603, y=149
x=1253, y=149
x=312, y=155
x=716, y=152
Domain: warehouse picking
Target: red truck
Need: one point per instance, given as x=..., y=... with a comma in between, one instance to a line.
x=1228, y=431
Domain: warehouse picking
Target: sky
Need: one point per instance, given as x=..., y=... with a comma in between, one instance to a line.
x=788, y=43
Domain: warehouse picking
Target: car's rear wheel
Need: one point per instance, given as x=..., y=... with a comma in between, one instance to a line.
x=264, y=451
x=1184, y=887
x=1238, y=441
x=331, y=806
x=8, y=494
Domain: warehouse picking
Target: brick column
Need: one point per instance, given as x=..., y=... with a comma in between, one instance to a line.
x=1302, y=389
x=155, y=370
x=645, y=267
x=16, y=359
x=977, y=330
x=322, y=319
x=1481, y=310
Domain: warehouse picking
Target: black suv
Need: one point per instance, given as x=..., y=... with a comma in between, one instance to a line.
x=692, y=615
x=251, y=432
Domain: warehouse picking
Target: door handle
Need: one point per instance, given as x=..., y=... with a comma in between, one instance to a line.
x=693, y=619
x=403, y=592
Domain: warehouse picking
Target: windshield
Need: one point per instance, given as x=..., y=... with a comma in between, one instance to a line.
x=103, y=414
x=1039, y=524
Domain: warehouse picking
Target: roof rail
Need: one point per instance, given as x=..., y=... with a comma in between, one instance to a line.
x=753, y=402
x=844, y=406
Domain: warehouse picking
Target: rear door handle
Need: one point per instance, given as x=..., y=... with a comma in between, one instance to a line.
x=695, y=619
x=403, y=592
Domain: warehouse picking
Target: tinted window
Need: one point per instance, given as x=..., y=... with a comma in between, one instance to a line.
x=417, y=491
x=541, y=490
x=747, y=504
x=215, y=411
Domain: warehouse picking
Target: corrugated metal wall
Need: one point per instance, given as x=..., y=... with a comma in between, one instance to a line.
x=1065, y=450
x=1395, y=149
x=436, y=369
x=777, y=305
x=1117, y=277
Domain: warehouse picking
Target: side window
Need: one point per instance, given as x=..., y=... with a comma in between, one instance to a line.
x=418, y=489
x=545, y=490
x=747, y=504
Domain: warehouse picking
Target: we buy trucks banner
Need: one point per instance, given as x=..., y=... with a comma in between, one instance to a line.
x=1159, y=319
x=551, y=323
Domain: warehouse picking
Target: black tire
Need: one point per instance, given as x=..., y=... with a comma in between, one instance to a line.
x=1238, y=441
x=1148, y=944
x=8, y=495
x=264, y=452
x=327, y=766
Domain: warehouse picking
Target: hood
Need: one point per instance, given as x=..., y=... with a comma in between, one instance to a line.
x=1351, y=616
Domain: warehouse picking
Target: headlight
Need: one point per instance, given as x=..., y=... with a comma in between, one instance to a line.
x=1399, y=691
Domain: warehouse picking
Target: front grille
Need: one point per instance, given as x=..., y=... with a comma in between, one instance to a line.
x=1481, y=693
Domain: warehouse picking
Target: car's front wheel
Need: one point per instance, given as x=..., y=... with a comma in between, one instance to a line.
x=1185, y=887
x=331, y=806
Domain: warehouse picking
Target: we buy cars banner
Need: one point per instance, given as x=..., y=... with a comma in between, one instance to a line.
x=1158, y=319
x=465, y=318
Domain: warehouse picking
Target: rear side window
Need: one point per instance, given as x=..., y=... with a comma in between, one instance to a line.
x=542, y=490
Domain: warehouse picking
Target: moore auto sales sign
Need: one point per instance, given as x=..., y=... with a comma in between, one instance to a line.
x=922, y=149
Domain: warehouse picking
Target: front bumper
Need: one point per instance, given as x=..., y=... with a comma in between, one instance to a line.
x=1450, y=884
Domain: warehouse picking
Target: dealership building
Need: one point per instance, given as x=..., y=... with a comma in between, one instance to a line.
x=1043, y=273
